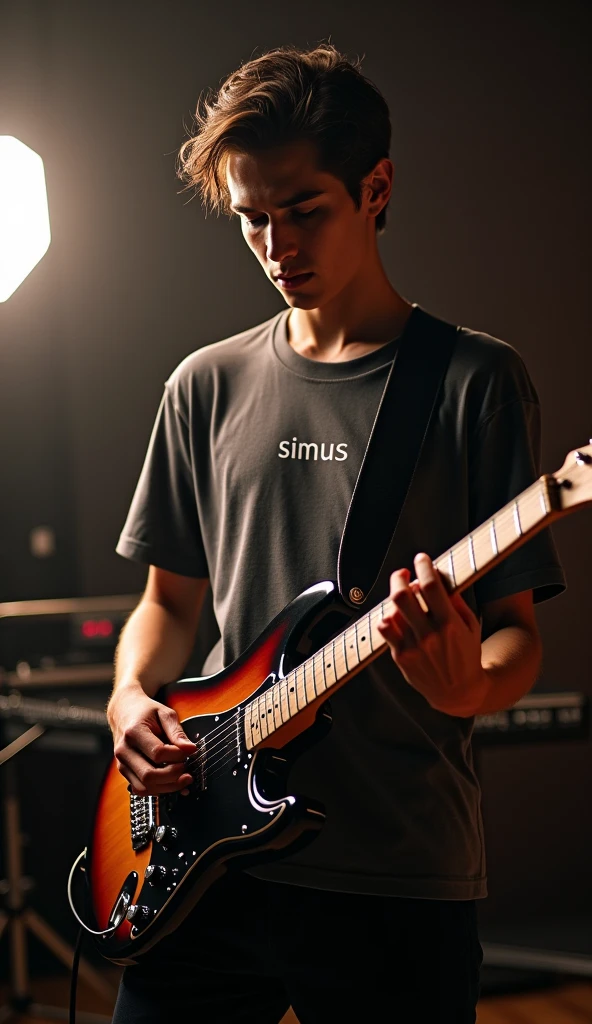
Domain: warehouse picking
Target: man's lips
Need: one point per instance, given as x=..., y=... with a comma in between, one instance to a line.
x=292, y=280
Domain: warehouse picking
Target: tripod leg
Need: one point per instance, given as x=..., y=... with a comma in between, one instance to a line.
x=20, y=974
x=3, y=922
x=65, y=953
x=18, y=940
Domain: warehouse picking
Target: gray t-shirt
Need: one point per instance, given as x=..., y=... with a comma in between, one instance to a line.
x=247, y=480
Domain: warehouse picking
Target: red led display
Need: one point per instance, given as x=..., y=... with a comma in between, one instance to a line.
x=91, y=628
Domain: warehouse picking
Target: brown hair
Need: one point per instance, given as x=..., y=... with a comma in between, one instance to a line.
x=285, y=95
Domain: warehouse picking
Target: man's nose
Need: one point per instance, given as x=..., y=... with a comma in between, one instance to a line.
x=280, y=243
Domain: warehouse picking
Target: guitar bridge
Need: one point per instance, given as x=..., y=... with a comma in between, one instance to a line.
x=142, y=820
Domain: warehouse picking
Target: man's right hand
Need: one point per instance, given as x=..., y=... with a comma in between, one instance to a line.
x=149, y=742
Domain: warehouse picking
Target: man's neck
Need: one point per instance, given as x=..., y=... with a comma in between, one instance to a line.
x=351, y=326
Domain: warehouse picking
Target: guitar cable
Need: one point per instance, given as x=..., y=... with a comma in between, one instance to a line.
x=91, y=931
x=74, y=978
x=83, y=928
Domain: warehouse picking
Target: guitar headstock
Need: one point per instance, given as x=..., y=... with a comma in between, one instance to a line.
x=575, y=477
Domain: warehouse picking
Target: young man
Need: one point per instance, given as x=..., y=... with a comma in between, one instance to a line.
x=246, y=484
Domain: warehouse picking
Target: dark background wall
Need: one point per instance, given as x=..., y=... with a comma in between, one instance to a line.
x=489, y=227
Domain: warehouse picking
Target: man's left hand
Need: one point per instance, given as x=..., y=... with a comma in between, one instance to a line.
x=435, y=640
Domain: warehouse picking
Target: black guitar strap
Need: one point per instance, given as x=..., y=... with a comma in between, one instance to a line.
x=408, y=402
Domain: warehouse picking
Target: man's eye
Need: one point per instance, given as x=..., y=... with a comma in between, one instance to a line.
x=258, y=222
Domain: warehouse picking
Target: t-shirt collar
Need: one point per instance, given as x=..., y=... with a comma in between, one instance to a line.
x=312, y=368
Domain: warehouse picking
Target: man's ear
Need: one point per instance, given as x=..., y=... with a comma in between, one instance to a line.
x=377, y=186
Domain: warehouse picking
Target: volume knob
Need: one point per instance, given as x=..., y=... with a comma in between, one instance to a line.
x=137, y=913
x=155, y=874
x=166, y=835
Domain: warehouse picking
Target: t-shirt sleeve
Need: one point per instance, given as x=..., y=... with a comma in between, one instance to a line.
x=162, y=526
x=505, y=461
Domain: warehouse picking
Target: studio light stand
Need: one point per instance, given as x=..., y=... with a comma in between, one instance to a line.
x=17, y=917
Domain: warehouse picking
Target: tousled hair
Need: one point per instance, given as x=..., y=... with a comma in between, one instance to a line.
x=283, y=96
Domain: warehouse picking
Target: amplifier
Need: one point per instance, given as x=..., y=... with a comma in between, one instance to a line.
x=537, y=717
x=57, y=637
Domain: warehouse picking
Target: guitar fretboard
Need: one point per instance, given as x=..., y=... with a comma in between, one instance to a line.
x=358, y=645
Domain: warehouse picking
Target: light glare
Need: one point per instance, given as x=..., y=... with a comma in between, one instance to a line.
x=24, y=216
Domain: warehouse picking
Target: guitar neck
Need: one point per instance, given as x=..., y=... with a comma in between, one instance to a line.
x=359, y=644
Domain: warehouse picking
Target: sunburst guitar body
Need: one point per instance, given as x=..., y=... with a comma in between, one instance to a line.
x=151, y=858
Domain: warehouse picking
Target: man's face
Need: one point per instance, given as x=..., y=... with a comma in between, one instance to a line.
x=300, y=222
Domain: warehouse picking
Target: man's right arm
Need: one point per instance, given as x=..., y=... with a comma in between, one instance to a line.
x=153, y=649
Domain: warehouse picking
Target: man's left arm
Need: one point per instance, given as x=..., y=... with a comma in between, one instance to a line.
x=436, y=642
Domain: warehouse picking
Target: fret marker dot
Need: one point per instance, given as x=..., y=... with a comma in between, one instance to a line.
x=291, y=689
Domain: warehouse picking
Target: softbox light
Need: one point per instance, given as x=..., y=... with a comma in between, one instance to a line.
x=24, y=215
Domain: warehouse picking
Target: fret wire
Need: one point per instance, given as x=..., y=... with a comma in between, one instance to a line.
x=451, y=564
x=255, y=728
x=255, y=705
x=314, y=675
x=283, y=697
x=328, y=662
x=350, y=659
x=355, y=629
x=472, y=554
x=517, y=522
x=344, y=639
x=303, y=675
x=324, y=672
x=277, y=711
x=292, y=695
x=493, y=536
x=314, y=678
x=307, y=681
x=344, y=655
x=263, y=716
x=315, y=667
x=248, y=726
x=300, y=703
x=269, y=708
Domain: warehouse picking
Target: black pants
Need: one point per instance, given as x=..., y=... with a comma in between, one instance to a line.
x=250, y=949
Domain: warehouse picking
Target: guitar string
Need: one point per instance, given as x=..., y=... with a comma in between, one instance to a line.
x=229, y=727
x=229, y=754
x=201, y=760
x=223, y=730
x=503, y=518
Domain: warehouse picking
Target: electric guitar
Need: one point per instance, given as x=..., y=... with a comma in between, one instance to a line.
x=150, y=859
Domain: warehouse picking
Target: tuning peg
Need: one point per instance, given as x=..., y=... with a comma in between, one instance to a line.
x=583, y=459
